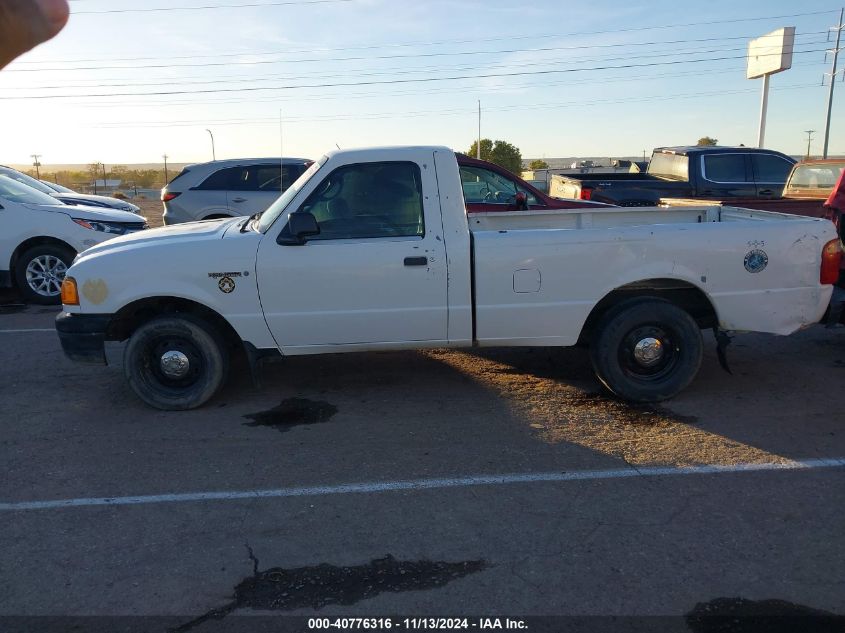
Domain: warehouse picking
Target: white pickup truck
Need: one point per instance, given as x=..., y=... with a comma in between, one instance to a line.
x=373, y=250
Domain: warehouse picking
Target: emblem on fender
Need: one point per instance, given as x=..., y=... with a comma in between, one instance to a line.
x=756, y=260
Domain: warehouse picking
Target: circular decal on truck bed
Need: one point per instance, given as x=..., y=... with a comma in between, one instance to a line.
x=756, y=260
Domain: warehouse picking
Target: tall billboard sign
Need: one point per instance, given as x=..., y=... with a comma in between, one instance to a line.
x=767, y=55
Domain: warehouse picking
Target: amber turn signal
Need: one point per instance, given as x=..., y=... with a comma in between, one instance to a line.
x=70, y=295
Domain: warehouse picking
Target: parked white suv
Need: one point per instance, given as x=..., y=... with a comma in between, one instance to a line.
x=228, y=188
x=40, y=236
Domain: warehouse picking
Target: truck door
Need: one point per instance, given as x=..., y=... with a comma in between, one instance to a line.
x=770, y=174
x=726, y=176
x=375, y=274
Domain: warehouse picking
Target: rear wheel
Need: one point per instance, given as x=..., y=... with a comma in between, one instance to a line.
x=646, y=350
x=40, y=270
x=175, y=362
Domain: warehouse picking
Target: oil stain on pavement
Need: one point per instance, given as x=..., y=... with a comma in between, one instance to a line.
x=293, y=412
x=739, y=615
x=279, y=589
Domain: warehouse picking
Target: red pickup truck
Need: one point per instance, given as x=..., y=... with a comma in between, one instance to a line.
x=490, y=188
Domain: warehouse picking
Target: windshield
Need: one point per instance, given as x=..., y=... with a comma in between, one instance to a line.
x=57, y=187
x=277, y=208
x=27, y=180
x=819, y=177
x=675, y=166
x=15, y=191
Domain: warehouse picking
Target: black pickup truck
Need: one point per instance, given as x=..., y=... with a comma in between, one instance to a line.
x=684, y=172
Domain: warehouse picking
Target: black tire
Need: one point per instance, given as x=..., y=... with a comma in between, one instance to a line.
x=197, y=341
x=39, y=272
x=657, y=371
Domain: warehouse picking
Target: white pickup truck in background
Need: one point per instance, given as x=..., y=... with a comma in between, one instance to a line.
x=372, y=250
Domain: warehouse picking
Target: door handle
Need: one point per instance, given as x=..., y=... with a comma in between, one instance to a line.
x=238, y=199
x=766, y=192
x=416, y=261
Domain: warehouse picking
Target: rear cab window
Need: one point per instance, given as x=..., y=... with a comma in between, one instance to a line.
x=672, y=166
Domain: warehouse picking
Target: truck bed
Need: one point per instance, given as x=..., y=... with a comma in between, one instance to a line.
x=615, y=217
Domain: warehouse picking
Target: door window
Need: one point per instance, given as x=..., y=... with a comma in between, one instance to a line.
x=485, y=186
x=267, y=176
x=728, y=168
x=221, y=180
x=770, y=169
x=368, y=200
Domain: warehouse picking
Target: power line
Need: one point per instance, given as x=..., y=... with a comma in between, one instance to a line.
x=383, y=82
x=404, y=45
x=301, y=60
x=213, y=6
x=391, y=71
x=442, y=112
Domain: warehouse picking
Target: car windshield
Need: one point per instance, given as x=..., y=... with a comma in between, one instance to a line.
x=821, y=177
x=277, y=208
x=27, y=180
x=57, y=187
x=13, y=190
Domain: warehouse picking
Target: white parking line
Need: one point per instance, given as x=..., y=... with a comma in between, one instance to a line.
x=424, y=484
x=49, y=329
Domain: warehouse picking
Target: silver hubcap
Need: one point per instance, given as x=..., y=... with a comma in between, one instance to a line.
x=174, y=364
x=648, y=352
x=45, y=274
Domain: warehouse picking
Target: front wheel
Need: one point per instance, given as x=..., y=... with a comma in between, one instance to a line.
x=175, y=362
x=646, y=350
x=39, y=273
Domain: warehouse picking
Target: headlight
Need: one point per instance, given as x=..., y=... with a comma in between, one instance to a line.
x=114, y=228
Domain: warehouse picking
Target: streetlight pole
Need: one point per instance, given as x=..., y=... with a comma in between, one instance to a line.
x=213, y=152
x=166, y=179
x=36, y=164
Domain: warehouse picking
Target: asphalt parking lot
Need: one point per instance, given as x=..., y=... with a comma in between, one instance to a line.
x=483, y=482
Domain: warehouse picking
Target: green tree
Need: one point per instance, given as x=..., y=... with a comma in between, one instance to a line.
x=501, y=153
x=707, y=141
x=538, y=163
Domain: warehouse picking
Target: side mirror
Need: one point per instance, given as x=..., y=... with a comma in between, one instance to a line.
x=521, y=201
x=300, y=226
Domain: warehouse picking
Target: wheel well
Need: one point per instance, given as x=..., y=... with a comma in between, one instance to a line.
x=684, y=295
x=217, y=216
x=35, y=241
x=135, y=314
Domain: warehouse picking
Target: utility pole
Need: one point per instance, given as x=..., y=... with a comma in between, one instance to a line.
x=166, y=179
x=36, y=164
x=213, y=152
x=103, y=165
x=478, y=146
x=838, y=28
x=809, y=138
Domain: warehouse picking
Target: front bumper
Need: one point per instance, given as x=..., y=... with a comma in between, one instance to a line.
x=83, y=336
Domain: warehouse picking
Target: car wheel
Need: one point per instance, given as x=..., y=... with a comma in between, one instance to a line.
x=175, y=362
x=39, y=273
x=646, y=350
